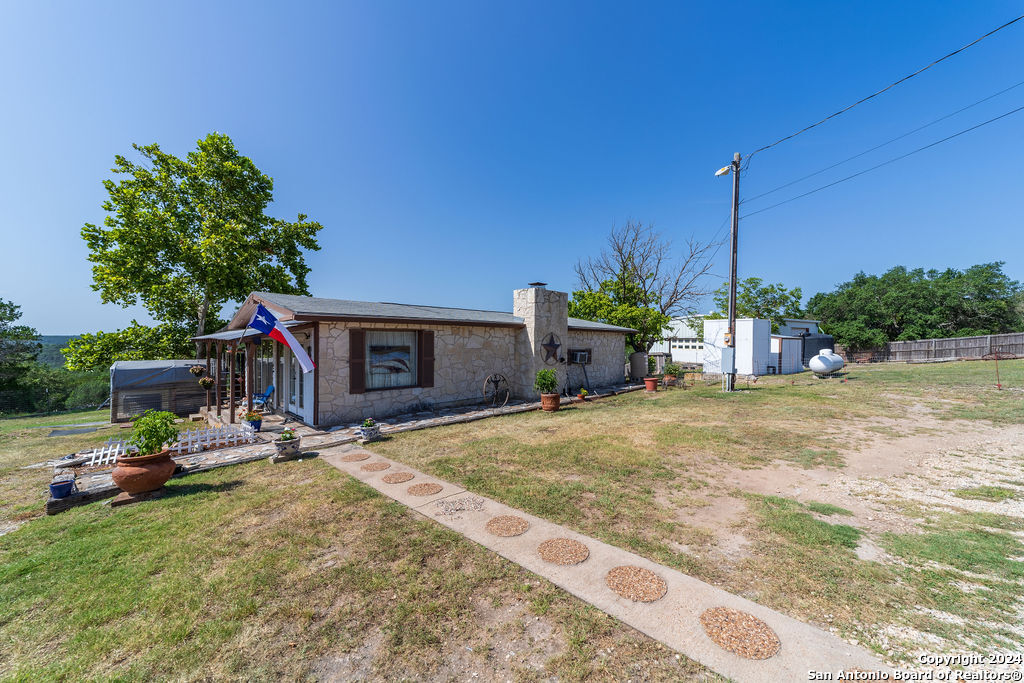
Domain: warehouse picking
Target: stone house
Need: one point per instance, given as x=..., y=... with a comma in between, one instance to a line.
x=382, y=359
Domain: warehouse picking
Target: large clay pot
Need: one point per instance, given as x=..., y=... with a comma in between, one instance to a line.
x=550, y=402
x=143, y=473
x=651, y=383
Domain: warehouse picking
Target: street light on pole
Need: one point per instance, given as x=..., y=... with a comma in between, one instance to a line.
x=729, y=359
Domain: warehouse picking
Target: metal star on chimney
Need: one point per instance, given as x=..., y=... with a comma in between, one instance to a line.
x=551, y=344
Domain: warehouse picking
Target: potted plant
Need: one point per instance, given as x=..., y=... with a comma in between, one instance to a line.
x=546, y=384
x=583, y=394
x=369, y=430
x=287, y=445
x=153, y=466
x=197, y=370
x=671, y=371
x=206, y=383
x=254, y=419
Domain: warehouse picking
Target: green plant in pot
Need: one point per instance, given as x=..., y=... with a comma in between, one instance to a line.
x=546, y=384
x=255, y=419
x=288, y=445
x=206, y=383
x=153, y=466
x=672, y=371
x=369, y=430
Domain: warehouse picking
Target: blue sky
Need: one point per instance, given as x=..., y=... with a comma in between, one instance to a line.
x=457, y=150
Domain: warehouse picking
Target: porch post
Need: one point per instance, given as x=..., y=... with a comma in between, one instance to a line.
x=208, y=406
x=220, y=353
x=250, y=374
x=278, y=387
x=231, y=382
x=316, y=374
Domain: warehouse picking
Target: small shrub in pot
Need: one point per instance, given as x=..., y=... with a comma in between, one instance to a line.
x=546, y=384
x=153, y=466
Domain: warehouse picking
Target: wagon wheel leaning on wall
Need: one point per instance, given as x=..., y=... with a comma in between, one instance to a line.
x=496, y=391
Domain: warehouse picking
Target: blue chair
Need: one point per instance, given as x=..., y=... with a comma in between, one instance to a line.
x=260, y=400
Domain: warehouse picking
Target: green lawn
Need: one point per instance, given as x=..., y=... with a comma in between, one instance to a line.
x=264, y=571
x=16, y=423
x=270, y=572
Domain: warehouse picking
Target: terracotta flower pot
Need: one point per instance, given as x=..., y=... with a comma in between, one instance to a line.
x=650, y=383
x=143, y=473
x=550, y=402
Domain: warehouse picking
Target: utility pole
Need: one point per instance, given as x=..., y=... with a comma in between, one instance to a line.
x=730, y=372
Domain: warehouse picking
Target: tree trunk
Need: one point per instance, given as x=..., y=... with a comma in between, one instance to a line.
x=204, y=310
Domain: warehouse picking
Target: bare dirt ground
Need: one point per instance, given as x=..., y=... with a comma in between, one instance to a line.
x=924, y=462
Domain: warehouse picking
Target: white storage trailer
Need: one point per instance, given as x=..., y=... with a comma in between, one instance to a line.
x=758, y=352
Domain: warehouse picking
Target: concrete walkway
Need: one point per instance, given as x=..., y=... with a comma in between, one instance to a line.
x=673, y=620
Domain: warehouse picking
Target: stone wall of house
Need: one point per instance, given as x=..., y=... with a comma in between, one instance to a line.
x=464, y=356
x=607, y=358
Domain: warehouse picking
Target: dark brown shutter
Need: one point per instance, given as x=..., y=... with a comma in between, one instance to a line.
x=426, y=359
x=357, y=361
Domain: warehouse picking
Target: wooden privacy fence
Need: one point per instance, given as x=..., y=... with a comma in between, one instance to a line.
x=1009, y=345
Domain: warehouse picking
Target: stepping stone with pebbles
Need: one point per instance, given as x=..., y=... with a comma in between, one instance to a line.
x=740, y=633
x=397, y=477
x=636, y=583
x=425, y=489
x=564, y=551
x=375, y=466
x=507, y=525
x=355, y=457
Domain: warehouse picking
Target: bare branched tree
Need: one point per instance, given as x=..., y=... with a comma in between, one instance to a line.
x=650, y=273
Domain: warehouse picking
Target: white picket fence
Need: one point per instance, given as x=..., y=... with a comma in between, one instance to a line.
x=191, y=441
x=195, y=440
x=108, y=453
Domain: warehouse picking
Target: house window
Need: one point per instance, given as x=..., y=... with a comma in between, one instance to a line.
x=390, y=359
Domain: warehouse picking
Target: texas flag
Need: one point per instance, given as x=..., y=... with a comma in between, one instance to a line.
x=264, y=321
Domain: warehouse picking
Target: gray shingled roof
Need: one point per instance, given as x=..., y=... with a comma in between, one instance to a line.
x=341, y=308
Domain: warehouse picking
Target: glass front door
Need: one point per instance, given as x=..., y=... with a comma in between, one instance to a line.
x=300, y=386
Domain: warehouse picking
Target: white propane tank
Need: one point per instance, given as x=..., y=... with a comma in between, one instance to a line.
x=825, y=362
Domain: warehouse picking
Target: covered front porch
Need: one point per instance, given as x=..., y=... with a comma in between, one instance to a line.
x=245, y=364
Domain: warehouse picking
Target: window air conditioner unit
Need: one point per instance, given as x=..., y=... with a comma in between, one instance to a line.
x=579, y=357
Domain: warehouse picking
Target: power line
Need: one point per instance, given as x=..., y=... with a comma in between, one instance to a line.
x=885, y=163
x=888, y=87
x=877, y=147
x=715, y=237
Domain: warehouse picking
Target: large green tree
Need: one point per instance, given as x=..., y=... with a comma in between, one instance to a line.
x=185, y=236
x=641, y=281
x=19, y=345
x=901, y=304
x=99, y=350
x=755, y=299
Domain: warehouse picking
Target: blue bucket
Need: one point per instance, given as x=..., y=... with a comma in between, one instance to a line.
x=62, y=489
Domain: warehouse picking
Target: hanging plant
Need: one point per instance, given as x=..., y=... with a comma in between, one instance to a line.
x=206, y=383
x=197, y=370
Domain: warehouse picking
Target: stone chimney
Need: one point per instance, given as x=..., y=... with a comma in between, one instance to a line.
x=543, y=343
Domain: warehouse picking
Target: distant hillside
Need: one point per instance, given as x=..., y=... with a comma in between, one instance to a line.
x=52, y=344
